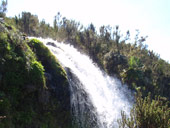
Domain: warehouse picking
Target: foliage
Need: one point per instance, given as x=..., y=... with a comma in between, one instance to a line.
x=46, y=57
x=114, y=62
x=57, y=82
x=26, y=94
x=134, y=62
x=147, y=113
x=37, y=73
x=128, y=60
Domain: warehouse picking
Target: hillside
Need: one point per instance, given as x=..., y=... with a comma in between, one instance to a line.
x=32, y=84
x=36, y=72
x=130, y=61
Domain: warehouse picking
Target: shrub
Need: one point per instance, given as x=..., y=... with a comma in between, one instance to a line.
x=147, y=113
x=135, y=62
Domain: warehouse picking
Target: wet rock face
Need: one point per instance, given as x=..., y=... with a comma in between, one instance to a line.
x=57, y=95
x=52, y=44
x=83, y=111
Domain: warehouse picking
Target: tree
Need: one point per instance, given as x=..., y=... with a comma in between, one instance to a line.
x=92, y=28
x=105, y=33
x=117, y=38
x=34, y=24
x=3, y=8
x=55, y=24
x=29, y=23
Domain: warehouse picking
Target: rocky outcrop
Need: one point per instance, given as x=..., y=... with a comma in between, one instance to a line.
x=34, y=91
x=83, y=112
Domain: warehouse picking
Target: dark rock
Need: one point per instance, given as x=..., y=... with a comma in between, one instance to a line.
x=52, y=44
x=83, y=111
x=24, y=36
x=9, y=27
x=48, y=76
x=44, y=96
x=30, y=88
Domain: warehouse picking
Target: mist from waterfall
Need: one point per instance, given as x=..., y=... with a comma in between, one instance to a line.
x=95, y=95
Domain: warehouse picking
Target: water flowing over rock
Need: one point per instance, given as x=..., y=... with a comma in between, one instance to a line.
x=97, y=99
x=83, y=111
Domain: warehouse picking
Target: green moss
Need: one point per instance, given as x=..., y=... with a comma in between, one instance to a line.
x=4, y=45
x=24, y=117
x=22, y=58
x=37, y=74
x=47, y=59
x=57, y=108
x=25, y=100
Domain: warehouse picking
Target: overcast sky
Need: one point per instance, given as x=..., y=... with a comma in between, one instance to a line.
x=151, y=17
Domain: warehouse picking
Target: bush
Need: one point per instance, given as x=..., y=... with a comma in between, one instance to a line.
x=147, y=113
x=135, y=62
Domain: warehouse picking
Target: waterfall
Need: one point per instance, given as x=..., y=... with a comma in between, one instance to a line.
x=96, y=98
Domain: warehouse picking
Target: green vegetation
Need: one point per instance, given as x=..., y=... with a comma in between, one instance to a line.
x=31, y=93
x=147, y=113
x=37, y=74
x=132, y=62
x=45, y=56
x=33, y=86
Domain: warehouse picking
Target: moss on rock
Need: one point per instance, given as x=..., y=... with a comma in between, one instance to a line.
x=34, y=91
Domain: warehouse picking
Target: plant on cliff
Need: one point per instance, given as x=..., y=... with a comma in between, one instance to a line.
x=19, y=70
x=46, y=57
x=56, y=83
x=37, y=73
x=25, y=100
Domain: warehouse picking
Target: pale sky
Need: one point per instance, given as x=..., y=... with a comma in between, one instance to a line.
x=151, y=17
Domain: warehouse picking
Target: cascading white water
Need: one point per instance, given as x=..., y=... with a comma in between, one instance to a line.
x=108, y=96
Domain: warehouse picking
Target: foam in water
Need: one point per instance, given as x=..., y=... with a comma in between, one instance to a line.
x=108, y=96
